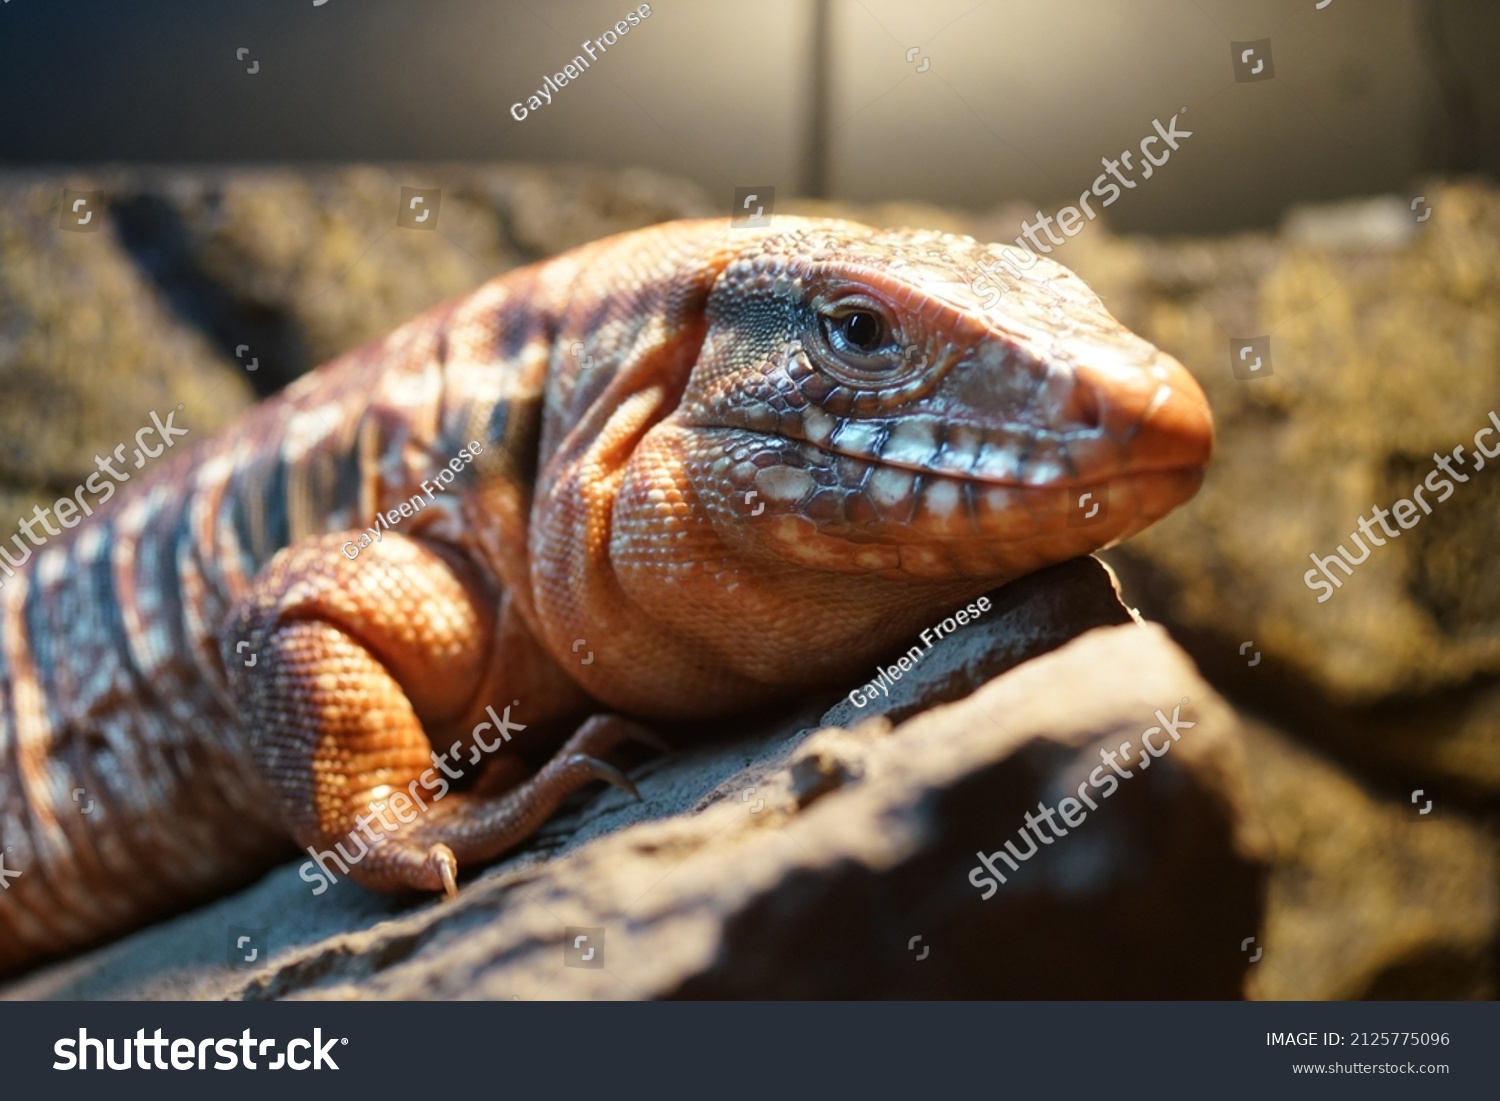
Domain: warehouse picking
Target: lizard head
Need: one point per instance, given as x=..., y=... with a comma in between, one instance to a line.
x=850, y=430
x=909, y=405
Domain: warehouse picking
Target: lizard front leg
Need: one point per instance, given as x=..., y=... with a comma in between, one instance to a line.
x=360, y=667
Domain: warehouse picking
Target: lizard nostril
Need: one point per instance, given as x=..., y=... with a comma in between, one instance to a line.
x=1080, y=409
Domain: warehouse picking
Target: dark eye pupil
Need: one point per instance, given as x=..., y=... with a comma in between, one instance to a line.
x=863, y=331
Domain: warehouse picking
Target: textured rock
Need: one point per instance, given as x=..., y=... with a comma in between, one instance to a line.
x=1381, y=356
x=734, y=879
x=297, y=265
x=1368, y=898
x=301, y=266
x=76, y=319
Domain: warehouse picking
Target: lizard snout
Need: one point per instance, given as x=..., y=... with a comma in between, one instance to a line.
x=1149, y=415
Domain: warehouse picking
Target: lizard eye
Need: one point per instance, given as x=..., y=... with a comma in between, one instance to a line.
x=859, y=343
x=862, y=329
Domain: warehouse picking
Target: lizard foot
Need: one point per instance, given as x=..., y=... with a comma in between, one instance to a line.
x=354, y=670
x=465, y=828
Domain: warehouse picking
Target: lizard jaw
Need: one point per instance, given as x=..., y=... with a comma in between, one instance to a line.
x=850, y=513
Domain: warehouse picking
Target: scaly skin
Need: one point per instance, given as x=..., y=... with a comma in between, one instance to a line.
x=775, y=455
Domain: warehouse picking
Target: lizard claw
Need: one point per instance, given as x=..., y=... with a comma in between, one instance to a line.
x=603, y=770
x=440, y=859
x=475, y=827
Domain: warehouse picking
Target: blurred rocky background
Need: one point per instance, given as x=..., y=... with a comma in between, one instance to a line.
x=1277, y=852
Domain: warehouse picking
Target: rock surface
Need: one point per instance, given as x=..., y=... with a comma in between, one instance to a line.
x=1368, y=898
x=87, y=350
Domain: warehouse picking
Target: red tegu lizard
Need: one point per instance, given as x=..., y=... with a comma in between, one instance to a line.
x=688, y=470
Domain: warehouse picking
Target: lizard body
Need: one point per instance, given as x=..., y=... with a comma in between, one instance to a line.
x=730, y=464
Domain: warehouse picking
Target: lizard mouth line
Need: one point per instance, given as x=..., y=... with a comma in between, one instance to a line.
x=960, y=476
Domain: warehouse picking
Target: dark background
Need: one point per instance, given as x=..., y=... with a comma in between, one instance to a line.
x=1020, y=101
